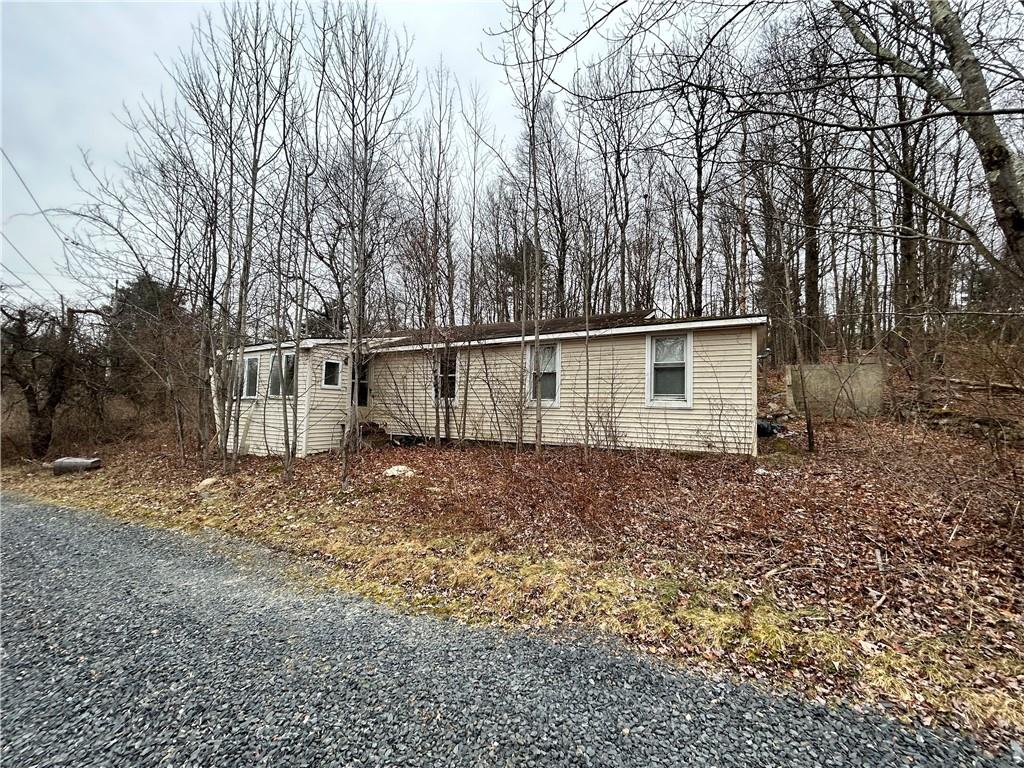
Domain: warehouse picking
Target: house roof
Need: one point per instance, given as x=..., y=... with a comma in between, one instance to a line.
x=288, y=345
x=486, y=331
x=620, y=323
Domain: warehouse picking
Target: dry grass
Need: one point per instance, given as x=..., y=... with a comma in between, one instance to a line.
x=889, y=566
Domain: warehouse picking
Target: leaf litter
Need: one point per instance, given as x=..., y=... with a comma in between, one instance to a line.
x=886, y=568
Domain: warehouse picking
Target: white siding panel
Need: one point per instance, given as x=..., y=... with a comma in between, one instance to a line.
x=327, y=406
x=721, y=416
x=490, y=402
x=261, y=423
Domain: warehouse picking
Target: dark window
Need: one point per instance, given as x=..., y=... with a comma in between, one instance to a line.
x=289, y=375
x=446, y=375
x=545, y=373
x=251, y=377
x=332, y=373
x=363, y=383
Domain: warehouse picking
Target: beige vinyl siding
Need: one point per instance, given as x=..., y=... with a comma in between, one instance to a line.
x=261, y=423
x=327, y=407
x=720, y=416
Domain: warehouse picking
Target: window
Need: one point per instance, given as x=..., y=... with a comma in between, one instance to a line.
x=289, y=375
x=544, y=375
x=332, y=374
x=668, y=375
x=446, y=376
x=250, y=377
x=362, y=384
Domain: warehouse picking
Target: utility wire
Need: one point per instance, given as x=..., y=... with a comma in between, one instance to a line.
x=21, y=178
x=42, y=211
x=56, y=231
x=19, y=294
x=31, y=266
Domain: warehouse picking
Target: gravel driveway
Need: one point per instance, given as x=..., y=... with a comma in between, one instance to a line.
x=128, y=645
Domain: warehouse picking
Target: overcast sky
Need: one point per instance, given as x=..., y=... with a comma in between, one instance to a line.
x=69, y=67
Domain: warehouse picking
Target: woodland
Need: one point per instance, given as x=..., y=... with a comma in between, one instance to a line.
x=852, y=171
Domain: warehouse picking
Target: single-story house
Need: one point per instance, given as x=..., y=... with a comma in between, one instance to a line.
x=625, y=380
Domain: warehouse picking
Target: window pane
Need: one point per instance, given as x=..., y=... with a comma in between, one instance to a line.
x=548, y=385
x=670, y=381
x=362, y=384
x=444, y=378
x=332, y=373
x=544, y=372
x=289, y=374
x=670, y=350
x=548, y=359
x=252, y=369
x=275, y=376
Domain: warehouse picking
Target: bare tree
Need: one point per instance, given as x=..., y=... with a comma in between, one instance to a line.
x=527, y=40
x=372, y=86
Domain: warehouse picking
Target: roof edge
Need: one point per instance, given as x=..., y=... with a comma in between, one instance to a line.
x=629, y=330
x=375, y=343
x=289, y=345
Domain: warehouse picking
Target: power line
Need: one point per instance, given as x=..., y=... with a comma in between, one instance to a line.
x=39, y=208
x=21, y=178
x=31, y=266
x=20, y=273
x=62, y=239
x=19, y=294
x=91, y=304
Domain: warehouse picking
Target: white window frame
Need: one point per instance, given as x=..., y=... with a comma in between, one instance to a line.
x=455, y=394
x=245, y=377
x=558, y=374
x=323, y=373
x=665, y=401
x=295, y=374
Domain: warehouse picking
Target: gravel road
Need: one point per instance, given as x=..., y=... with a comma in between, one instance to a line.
x=129, y=645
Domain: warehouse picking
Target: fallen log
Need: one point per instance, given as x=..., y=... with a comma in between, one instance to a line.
x=69, y=464
x=994, y=386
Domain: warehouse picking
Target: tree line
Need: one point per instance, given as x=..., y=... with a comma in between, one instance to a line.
x=853, y=171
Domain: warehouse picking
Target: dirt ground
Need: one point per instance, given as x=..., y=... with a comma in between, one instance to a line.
x=886, y=568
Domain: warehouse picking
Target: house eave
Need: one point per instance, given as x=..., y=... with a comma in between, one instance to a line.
x=631, y=330
x=287, y=346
